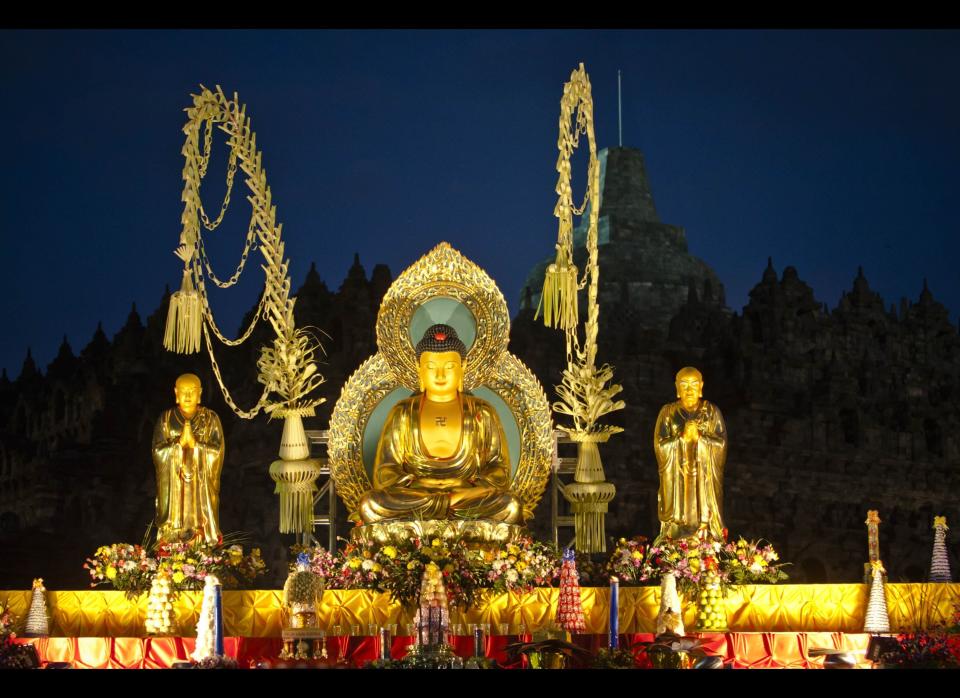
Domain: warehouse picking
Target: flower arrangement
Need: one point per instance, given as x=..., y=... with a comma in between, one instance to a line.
x=14, y=655
x=752, y=562
x=689, y=559
x=921, y=650
x=627, y=561
x=189, y=563
x=126, y=567
x=131, y=568
x=398, y=569
x=522, y=566
x=322, y=562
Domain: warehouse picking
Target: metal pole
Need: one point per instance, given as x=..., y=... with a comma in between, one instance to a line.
x=619, y=110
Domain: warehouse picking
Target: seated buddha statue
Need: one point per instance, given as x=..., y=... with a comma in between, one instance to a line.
x=442, y=453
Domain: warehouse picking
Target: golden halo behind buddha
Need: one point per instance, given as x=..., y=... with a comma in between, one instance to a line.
x=443, y=273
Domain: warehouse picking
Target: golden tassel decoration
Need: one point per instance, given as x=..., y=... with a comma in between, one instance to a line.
x=296, y=485
x=589, y=494
x=184, y=319
x=559, y=297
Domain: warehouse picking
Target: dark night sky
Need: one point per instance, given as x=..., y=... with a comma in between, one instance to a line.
x=823, y=149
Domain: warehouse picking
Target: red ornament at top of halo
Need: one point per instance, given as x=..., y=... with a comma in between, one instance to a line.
x=440, y=336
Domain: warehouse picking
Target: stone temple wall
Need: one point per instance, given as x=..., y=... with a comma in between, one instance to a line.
x=830, y=412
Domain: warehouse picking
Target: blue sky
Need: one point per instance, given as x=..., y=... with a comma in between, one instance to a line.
x=823, y=149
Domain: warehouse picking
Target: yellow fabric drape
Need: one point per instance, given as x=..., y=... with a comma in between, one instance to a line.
x=750, y=608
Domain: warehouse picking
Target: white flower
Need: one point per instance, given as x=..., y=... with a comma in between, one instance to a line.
x=512, y=576
x=368, y=564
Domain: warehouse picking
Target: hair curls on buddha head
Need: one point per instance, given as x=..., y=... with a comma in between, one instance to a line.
x=441, y=338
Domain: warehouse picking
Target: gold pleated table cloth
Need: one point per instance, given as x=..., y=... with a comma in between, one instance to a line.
x=750, y=608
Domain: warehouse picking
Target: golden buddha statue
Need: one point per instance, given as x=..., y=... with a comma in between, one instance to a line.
x=690, y=441
x=442, y=453
x=188, y=454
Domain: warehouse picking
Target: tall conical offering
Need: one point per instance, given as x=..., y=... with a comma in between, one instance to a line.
x=940, y=563
x=433, y=615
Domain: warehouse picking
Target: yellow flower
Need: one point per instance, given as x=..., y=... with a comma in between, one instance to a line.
x=758, y=560
x=774, y=556
x=623, y=541
x=512, y=558
x=448, y=568
x=513, y=549
x=503, y=555
x=411, y=565
x=693, y=553
x=178, y=577
x=436, y=543
x=673, y=557
x=191, y=561
x=432, y=568
x=695, y=565
x=377, y=567
x=521, y=566
x=390, y=551
x=355, y=563
x=255, y=552
x=366, y=553
x=111, y=572
x=636, y=555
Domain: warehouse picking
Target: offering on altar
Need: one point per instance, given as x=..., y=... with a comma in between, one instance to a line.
x=301, y=593
x=188, y=451
x=433, y=616
x=690, y=441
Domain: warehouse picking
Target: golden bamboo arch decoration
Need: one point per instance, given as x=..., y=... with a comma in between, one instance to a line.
x=584, y=393
x=286, y=368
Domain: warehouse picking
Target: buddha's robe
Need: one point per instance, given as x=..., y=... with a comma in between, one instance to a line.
x=691, y=474
x=473, y=483
x=188, y=479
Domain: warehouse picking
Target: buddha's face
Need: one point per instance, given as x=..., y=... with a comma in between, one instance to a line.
x=689, y=388
x=187, y=392
x=441, y=375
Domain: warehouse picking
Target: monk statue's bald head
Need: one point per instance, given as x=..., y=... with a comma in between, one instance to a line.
x=187, y=390
x=689, y=382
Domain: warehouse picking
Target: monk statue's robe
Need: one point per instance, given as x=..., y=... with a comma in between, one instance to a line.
x=410, y=484
x=691, y=473
x=188, y=479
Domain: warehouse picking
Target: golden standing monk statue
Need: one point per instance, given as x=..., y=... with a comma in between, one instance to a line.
x=188, y=455
x=690, y=441
x=442, y=453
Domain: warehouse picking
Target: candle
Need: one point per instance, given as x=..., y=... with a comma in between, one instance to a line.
x=478, y=642
x=217, y=620
x=385, y=642
x=614, y=612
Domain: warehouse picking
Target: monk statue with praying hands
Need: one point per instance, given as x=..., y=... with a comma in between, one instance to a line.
x=188, y=454
x=690, y=441
x=442, y=453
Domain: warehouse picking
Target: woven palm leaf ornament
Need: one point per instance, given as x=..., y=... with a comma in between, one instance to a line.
x=584, y=393
x=287, y=368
